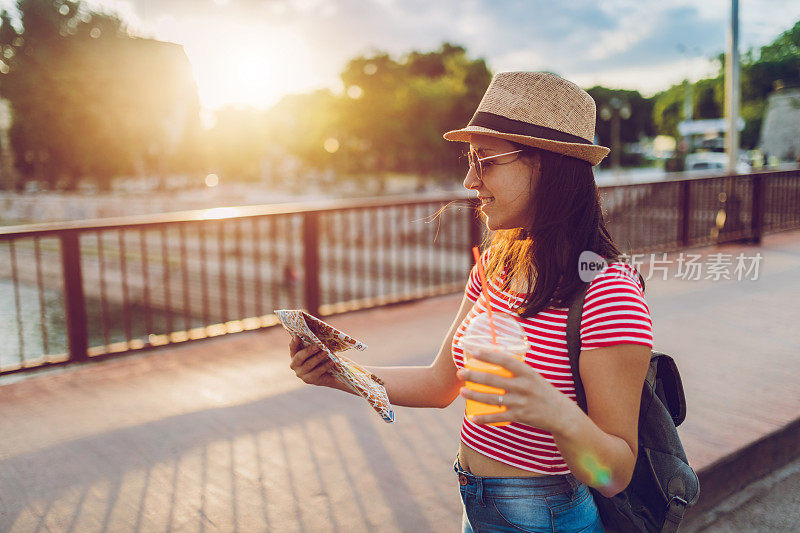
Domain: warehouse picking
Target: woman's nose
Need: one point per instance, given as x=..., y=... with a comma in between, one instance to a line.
x=472, y=181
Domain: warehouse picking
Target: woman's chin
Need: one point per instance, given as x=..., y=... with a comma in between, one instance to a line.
x=493, y=225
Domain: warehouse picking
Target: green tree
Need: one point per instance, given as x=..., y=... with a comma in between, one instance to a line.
x=785, y=48
x=237, y=143
x=707, y=98
x=777, y=62
x=390, y=117
x=90, y=100
x=637, y=125
x=668, y=110
x=397, y=110
x=40, y=50
x=306, y=127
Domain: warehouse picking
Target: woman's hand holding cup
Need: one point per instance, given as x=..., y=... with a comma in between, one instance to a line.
x=500, y=387
x=528, y=397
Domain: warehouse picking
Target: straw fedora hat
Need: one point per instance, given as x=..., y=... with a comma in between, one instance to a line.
x=537, y=109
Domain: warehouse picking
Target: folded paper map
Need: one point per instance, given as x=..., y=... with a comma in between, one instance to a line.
x=314, y=331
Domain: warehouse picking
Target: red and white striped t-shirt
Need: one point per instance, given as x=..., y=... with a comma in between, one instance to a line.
x=614, y=312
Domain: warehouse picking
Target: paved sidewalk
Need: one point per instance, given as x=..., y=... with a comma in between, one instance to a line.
x=769, y=505
x=219, y=435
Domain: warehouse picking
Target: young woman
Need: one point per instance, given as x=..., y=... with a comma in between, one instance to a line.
x=531, y=156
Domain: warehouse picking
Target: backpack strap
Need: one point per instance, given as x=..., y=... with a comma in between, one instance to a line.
x=675, y=510
x=574, y=343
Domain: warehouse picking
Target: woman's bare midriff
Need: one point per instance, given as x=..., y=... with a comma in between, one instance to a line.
x=480, y=465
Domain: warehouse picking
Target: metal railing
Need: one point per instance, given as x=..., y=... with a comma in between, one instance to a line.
x=79, y=291
x=108, y=286
x=671, y=215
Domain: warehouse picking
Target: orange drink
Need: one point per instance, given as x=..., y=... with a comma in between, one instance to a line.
x=511, y=346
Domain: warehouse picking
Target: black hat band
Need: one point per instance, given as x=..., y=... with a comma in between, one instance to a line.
x=517, y=127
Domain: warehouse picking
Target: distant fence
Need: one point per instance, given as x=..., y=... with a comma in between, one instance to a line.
x=671, y=215
x=80, y=291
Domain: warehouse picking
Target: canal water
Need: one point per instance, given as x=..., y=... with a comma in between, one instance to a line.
x=21, y=336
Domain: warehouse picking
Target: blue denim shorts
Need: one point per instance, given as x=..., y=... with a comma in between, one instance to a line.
x=547, y=503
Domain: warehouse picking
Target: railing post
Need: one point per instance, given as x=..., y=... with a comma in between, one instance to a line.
x=311, y=261
x=685, y=212
x=757, y=209
x=74, y=301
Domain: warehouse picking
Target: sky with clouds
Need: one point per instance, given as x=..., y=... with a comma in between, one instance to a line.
x=253, y=51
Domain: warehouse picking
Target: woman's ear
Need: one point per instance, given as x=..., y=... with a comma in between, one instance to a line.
x=534, y=162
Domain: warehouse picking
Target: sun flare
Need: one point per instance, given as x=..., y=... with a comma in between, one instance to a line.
x=250, y=69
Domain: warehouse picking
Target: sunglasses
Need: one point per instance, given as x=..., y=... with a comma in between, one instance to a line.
x=480, y=164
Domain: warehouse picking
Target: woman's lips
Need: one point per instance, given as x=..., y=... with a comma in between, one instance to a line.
x=486, y=200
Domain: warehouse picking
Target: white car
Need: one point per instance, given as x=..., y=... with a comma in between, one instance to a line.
x=714, y=163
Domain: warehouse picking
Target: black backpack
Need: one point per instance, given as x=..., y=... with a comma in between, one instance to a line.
x=663, y=484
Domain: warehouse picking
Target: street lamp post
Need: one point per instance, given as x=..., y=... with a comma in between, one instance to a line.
x=7, y=180
x=615, y=110
x=732, y=89
x=688, y=89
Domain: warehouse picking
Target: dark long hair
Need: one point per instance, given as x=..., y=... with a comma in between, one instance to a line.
x=565, y=219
